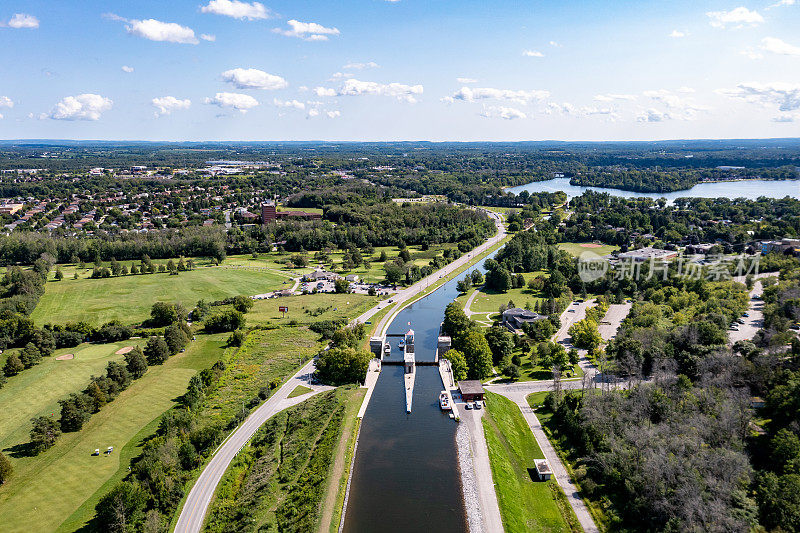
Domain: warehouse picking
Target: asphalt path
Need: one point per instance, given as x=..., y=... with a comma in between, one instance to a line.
x=196, y=506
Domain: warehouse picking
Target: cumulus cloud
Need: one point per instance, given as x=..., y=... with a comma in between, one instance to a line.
x=240, y=102
x=677, y=34
x=238, y=10
x=360, y=66
x=679, y=107
x=81, y=107
x=333, y=114
x=354, y=87
x=22, y=20
x=167, y=104
x=737, y=18
x=783, y=118
x=155, y=30
x=466, y=80
x=208, y=37
x=652, y=115
x=289, y=104
x=340, y=75
x=5, y=101
x=252, y=78
x=776, y=46
x=532, y=53
x=783, y=3
x=614, y=97
x=313, y=112
x=126, y=68
x=786, y=96
x=506, y=113
x=308, y=31
x=553, y=43
x=468, y=94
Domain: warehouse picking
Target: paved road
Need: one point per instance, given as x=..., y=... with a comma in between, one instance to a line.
x=196, y=506
x=575, y=312
x=410, y=292
x=755, y=321
x=487, y=497
x=614, y=316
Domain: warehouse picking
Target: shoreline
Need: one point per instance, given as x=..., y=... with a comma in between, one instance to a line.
x=632, y=191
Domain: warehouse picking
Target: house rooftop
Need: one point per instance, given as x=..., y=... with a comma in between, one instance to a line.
x=470, y=386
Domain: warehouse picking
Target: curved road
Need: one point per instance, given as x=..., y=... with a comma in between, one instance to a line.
x=196, y=506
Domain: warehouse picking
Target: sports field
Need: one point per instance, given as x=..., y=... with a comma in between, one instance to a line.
x=129, y=298
x=48, y=488
x=577, y=248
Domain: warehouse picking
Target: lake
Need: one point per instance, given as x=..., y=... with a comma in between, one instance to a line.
x=750, y=189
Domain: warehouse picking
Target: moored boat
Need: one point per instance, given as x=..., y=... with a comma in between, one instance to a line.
x=444, y=401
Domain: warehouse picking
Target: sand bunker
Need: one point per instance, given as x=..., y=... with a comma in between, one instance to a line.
x=65, y=357
x=123, y=351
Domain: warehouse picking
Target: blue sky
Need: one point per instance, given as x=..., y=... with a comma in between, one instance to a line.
x=399, y=70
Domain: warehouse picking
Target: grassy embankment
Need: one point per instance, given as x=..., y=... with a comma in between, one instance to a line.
x=525, y=505
x=596, y=507
x=282, y=476
x=48, y=488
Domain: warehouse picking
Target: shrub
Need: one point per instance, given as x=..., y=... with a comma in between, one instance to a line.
x=338, y=366
x=228, y=320
x=242, y=303
x=156, y=351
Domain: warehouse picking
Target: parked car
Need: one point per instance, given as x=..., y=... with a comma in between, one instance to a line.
x=468, y=406
x=477, y=404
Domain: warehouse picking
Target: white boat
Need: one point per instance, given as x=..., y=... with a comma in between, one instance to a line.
x=444, y=401
x=401, y=344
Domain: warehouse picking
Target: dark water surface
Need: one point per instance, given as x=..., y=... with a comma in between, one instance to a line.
x=405, y=476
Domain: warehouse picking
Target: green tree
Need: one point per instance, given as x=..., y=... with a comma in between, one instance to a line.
x=156, y=351
x=227, y=320
x=585, y=334
x=478, y=354
x=75, y=411
x=341, y=365
x=779, y=501
x=44, y=433
x=501, y=342
x=30, y=355
x=136, y=363
x=455, y=320
x=242, y=303
x=458, y=364
x=175, y=338
x=59, y=274
x=476, y=278
x=13, y=365
x=163, y=314
x=341, y=286
x=122, y=509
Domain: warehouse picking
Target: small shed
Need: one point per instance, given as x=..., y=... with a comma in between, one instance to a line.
x=543, y=469
x=471, y=390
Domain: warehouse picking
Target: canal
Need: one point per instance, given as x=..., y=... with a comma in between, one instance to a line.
x=405, y=476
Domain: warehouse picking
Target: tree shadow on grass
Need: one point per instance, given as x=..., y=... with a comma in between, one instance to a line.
x=19, y=451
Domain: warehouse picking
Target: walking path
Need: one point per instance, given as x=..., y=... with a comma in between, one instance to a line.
x=196, y=506
x=484, y=482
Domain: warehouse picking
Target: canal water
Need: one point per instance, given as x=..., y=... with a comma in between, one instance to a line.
x=405, y=476
x=750, y=189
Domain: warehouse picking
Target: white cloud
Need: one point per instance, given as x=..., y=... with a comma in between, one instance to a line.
x=614, y=97
x=468, y=94
x=340, y=75
x=324, y=91
x=652, y=115
x=208, y=37
x=313, y=112
x=786, y=96
x=289, y=104
x=680, y=107
x=738, y=18
x=5, y=101
x=751, y=53
x=466, y=80
x=783, y=3
x=686, y=90
x=554, y=108
x=677, y=34
x=81, y=107
x=333, y=114
x=553, y=43
x=155, y=30
x=240, y=102
x=776, y=46
x=308, y=31
x=252, y=78
x=167, y=104
x=361, y=66
x=506, y=113
x=237, y=10
x=353, y=87
x=532, y=53
x=1, y=116
x=22, y=20
x=784, y=118
x=126, y=68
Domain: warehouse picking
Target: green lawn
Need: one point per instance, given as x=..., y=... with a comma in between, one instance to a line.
x=299, y=391
x=129, y=298
x=37, y=390
x=576, y=248
x=309, y=308
x=490, y=301
x=48, y=489
x=529, y=372
x=525, y=505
